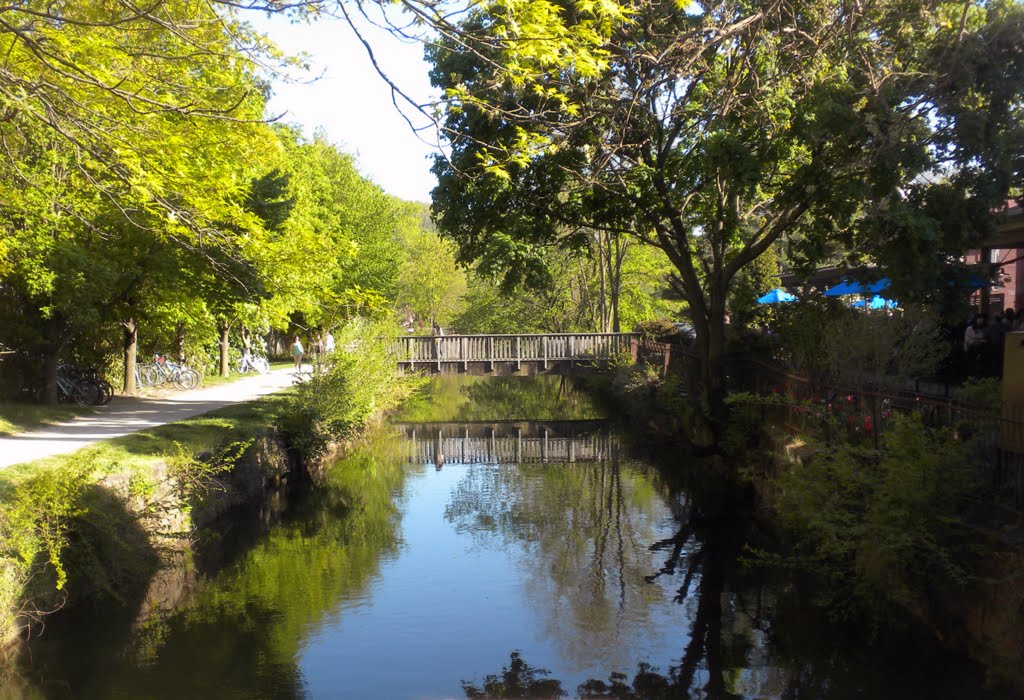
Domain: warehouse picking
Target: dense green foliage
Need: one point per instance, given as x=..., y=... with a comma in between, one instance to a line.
x=585, y=291
x=150, y=208
x=887, y=528
x=347, y=388
x=718, y=131
x=827, y=340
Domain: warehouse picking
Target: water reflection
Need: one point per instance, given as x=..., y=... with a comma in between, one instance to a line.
x=240, y=633
x=509, y=442
x=396, y=580
x=581, y=533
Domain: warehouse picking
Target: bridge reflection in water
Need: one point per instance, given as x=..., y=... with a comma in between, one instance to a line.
x=510, y=442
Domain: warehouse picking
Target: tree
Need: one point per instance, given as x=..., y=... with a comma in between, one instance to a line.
x=715, y=132
x=431, y=287
x=119, y=161
x=756, y=279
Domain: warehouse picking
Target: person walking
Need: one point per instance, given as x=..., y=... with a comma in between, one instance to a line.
x=297, y=353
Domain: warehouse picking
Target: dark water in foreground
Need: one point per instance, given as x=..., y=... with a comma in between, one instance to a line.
x=540, y=542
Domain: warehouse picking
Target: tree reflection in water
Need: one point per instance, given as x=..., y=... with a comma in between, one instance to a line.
x=517, y=680
x=537, y=398
x=586, y=532
x=239, y=634
x=583, y=530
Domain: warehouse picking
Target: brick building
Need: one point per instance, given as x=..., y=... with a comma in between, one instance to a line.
x=1006, y=257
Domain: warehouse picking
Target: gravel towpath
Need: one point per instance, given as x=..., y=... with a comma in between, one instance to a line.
x=128, y=415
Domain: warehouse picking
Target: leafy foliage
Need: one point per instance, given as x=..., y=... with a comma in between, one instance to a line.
x=830, y=340
x=886, y=527
x=357, y=381
x=748, y=126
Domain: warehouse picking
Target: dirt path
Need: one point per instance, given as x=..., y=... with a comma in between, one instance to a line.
x=128, y=415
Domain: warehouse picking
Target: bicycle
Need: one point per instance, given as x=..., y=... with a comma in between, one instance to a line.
x=84, y=388
x=251, y=363
x=163, y=371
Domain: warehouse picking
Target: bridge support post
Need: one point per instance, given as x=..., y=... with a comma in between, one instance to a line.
x=544, y=349
x=464, y=351
x=519, y=356
x=572, y=351
x=490, y=354
x=437, y=353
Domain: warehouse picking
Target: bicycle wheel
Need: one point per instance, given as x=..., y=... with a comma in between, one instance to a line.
x=186, y=379
x=85, y=392
x=106, y=391
x=148, y=375
x=261, y=365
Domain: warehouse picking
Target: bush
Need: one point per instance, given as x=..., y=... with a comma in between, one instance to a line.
x=352, y=384
x=829, y=340
x=981, y=394
x=885, y=527
x=660, y=330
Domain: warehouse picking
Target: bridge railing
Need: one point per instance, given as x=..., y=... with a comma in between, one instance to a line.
x=541, y=347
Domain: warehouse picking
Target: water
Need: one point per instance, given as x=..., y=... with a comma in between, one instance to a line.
x=405, y=578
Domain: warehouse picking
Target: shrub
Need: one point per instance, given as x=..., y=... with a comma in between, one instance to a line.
x=355, y=382
x=885, y=527
x=660, y=330
x=981, y=394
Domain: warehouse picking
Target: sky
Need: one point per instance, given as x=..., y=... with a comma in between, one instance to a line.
x=352, y=103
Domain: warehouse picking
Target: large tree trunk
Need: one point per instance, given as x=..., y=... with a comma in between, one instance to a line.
x=710, y=347
x=57, y=338
x=130, y=331
x=225, y=369
x=615, y=279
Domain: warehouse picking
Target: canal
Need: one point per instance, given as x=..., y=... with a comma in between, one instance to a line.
x=498, y=536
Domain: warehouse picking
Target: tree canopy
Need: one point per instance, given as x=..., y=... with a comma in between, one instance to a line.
x=717, y=130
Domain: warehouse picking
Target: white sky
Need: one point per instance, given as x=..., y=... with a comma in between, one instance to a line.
x=352, y=103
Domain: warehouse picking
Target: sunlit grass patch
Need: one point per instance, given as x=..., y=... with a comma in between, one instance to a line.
x=18, y=417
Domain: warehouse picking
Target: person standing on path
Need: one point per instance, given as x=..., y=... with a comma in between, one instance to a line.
x=297, y=353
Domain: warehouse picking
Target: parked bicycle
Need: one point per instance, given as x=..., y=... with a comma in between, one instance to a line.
x=84, y=387
x=253, y=363
x=163, y=371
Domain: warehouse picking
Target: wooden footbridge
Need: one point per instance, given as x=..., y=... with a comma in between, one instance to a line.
x=505, y=442
x=547, y=353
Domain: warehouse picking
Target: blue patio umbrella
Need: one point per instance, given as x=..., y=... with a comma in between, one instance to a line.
x=875, y=302
x=776, y=296
x=847, y=287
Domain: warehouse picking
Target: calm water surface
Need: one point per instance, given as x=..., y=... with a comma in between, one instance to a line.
x=494, y=525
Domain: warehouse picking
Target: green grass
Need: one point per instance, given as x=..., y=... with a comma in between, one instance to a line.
x=18, y=417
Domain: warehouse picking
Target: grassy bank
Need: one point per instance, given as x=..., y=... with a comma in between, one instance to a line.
x=102, y=519
x=19, y=416
x=94, y=520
